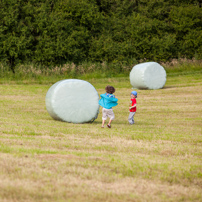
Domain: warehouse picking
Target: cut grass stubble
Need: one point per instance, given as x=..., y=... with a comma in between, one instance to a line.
x=157, y=159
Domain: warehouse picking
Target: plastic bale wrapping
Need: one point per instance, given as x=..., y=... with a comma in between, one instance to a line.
x=72, y=100
x=148, y=75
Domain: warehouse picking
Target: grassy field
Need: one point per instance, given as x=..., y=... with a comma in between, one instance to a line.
x=157, y=159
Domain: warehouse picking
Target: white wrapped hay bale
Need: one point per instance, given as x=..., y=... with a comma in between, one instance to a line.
x=148, y=75
x=72, y=100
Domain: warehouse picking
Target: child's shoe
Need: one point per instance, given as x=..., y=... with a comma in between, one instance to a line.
x=109, y=126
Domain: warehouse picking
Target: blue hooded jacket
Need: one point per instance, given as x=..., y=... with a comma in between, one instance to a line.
x=107, y=102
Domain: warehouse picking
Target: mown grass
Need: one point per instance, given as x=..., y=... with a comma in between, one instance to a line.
x=157, y=159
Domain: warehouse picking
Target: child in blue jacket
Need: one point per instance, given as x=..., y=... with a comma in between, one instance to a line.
x=108, y=101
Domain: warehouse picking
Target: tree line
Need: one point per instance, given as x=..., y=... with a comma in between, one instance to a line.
x=54, y=32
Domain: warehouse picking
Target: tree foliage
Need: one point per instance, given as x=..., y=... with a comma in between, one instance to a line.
x=51, y=32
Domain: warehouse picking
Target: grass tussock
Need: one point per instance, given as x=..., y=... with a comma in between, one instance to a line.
x=157, y=159
x=31, y=73
x=183, y=66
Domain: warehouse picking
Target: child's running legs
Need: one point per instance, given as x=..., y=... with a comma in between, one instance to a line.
x=105, y=114
x=131, y=118
x=103, y=122
x=109, y=124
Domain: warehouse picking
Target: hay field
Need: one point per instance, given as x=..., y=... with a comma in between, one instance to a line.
x=157, y=159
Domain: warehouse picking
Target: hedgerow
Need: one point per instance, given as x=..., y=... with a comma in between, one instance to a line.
x=56, y=32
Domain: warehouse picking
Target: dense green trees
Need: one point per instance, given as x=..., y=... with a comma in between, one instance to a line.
x=51, y=32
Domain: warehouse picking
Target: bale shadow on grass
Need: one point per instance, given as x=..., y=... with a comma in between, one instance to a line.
x=165, y=87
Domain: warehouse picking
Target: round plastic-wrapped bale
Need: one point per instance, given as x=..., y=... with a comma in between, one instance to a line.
x=72, y=100
x=148, y=75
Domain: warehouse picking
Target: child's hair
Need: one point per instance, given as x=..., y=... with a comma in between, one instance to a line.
x=110, y=89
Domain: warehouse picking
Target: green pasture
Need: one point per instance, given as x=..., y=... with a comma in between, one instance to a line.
x=157, y=159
